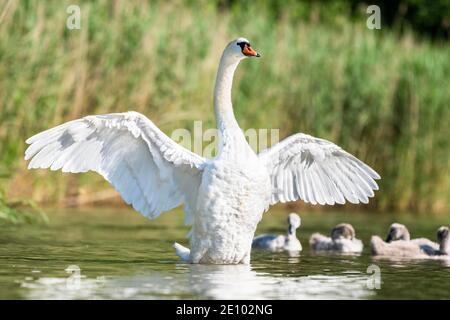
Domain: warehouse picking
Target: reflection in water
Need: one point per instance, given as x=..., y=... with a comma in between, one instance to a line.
x=240, y=282
x=445, y=262
x=133, y=259
x=400, y=262
x=294, y=256
x=205, y=281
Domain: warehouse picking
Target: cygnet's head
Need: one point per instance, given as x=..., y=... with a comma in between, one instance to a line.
x=397, y=231
x=443, y=238
x=343, y=230
x=294, y=222
x=239, y=49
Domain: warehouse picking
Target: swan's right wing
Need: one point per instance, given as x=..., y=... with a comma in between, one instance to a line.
x=317, y=171
x=151, y=172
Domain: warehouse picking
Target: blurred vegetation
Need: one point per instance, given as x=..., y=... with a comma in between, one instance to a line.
x=382, y=95
x=20, y=211
x=428, y=18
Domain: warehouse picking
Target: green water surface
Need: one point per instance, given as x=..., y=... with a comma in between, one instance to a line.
x=115, y=253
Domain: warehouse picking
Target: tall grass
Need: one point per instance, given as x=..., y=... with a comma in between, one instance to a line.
x=20, y=211
x=383, y=97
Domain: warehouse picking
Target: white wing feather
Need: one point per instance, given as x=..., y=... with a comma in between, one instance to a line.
x=317, y=171
x=150, y=171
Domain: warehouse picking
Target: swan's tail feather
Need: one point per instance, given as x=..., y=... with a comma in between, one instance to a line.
x=182, y=252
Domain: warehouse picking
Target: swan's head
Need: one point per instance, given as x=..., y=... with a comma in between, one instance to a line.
x=294, y=220
x=397, y=231
x=239, y=49
x=343, y=230
x=443, y=237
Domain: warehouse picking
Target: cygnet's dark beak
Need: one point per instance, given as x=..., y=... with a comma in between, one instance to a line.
x=389, y=237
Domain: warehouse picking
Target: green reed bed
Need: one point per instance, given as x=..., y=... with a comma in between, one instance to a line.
x=381, y=96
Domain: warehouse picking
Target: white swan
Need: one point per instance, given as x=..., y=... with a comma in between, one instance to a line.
x=273, y=242
x=399, y=231
x=224, y=198
x=342, y=240
x=411, y=249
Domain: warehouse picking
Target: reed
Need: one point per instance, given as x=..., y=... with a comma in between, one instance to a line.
x=381, y=96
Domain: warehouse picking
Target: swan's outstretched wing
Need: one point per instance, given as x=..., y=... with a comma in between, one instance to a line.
x=151, y=172
x=317, y=171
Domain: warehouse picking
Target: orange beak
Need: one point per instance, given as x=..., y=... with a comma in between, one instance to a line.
x=249, y=52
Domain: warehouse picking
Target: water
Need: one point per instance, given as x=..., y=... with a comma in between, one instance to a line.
x=109, y=254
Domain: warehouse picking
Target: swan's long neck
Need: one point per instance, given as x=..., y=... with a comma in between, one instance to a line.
x=232, y=142
x=444, y=246
x=222, y=94
x=292, y=231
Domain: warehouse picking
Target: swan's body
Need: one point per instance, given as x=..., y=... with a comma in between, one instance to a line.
x=399, y=231
x=413, y=249
x=235, y=191
x=342, y=240
x=395, y=249
x=224, y=198
x=288, y=242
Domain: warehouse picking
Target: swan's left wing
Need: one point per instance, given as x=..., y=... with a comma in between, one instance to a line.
x=317, y=171
x=151, y=171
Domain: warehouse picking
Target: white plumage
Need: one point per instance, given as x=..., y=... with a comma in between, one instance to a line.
x=148, y=169
x=399, y=231
x=287, y=242
x=317, y=171
x=343, y=240
x=224, y=198
x=398, y=244
x=182, y=252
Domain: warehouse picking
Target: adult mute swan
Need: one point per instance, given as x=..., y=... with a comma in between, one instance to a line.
x=273, y=242
x=343, y=240
x=224, y=198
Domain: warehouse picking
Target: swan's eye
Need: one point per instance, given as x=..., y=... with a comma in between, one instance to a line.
x=243, y=44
